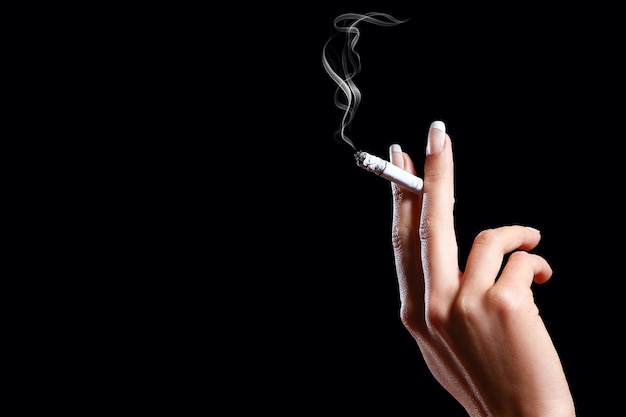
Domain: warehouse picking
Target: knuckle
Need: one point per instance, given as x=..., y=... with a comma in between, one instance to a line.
x=504, y=301
x=486, y=237
x=428, y=225
x=465, y=309
x=436, y=315
x=396, y=195
x=411, y=319
x=520, y=257
x=437, y=174
x=399, y=233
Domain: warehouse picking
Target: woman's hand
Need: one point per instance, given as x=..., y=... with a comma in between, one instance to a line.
x=479, y=330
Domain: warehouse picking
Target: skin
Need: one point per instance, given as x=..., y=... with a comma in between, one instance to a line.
x=480, y=333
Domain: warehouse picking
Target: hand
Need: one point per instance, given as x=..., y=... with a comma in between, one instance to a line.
x=479, y=331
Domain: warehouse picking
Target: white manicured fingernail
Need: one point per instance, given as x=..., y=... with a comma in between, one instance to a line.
x=436, y=137
x=395, y=154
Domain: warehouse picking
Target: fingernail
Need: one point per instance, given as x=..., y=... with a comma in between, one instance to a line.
x=436, y=136
x=532, y=228
x=395, y=149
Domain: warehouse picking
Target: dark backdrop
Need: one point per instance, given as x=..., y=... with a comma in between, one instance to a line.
x=284, y=292
x=531, y=101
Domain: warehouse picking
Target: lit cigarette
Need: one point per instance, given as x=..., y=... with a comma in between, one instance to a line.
x=389, y=171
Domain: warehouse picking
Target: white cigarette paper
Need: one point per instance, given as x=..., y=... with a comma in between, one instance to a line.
x=389, y=171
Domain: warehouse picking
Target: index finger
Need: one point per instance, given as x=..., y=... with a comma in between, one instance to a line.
x=437, y=233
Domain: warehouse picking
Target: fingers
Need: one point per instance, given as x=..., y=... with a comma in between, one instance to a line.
x=405, y=222
x=522, y=269
x=487, y=254
x=438, y=238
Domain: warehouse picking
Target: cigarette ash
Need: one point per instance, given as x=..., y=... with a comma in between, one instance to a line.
x=369, y=162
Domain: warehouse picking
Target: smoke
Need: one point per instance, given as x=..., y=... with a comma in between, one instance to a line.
x=347, y=95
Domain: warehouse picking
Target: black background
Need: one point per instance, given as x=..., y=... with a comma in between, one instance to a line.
x=276, y=289
x=531, y=99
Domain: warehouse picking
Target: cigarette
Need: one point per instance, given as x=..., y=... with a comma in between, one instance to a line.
x=389, y=171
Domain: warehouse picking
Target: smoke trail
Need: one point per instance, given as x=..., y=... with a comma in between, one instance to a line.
x=347, y=94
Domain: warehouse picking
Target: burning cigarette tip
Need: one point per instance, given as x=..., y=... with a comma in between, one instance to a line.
x=370, y=162
x=389, y=171
x=360, y=158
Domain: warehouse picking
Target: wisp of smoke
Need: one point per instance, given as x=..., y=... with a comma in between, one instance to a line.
x=347, y=94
